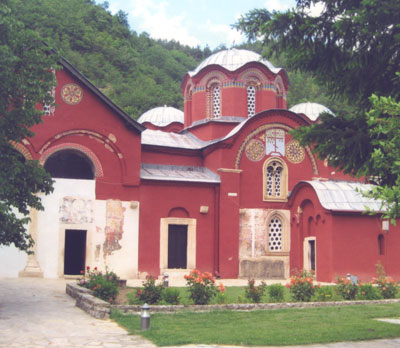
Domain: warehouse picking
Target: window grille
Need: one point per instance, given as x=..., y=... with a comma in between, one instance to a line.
x=251, y=100
x=275, y=235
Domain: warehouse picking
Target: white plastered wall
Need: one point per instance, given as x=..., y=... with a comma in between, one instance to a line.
x=72, y=205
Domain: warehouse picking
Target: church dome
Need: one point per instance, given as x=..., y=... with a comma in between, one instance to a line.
x=162, y=116
x=234, y=59
x=311, y=110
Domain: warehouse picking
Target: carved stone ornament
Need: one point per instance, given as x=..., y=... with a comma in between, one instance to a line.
x=294, y=152
x=255, y=150
x=71, y=94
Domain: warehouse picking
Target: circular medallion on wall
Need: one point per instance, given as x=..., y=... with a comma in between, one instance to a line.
x=294, y=152
x=71, y=93
x=255, y=150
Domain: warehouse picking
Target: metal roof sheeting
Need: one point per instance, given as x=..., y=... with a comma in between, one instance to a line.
x=178, y=173
x=311, y=110
x=162, y=116
x=343, y=195
x=234, y=59
x=182, y=141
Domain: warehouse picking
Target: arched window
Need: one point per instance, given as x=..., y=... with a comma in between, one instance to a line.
x=275, y=234
x=69, y=164
x=275, y=180
x=251, y=100
x=214, y=100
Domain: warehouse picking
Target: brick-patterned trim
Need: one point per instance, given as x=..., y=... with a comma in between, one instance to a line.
x=22, y=149
x=72, y=146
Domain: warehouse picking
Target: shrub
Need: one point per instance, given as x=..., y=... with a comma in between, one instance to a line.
x=324, y=293
x=254, y=293
x=171, y=296
x=104, y=286
x=346, y=288
x=201, y=287
x=368, y=292
x=276, y=292
x=220, y=296
x=302, y=286
x=150, y=293
x=387, y=286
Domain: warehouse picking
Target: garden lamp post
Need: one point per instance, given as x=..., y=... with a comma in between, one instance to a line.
x=166, y=281
x=145, y=317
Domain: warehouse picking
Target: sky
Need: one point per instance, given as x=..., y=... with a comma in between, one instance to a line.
x=192, y=22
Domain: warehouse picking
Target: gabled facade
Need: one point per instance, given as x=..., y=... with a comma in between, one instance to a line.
x=222, y=188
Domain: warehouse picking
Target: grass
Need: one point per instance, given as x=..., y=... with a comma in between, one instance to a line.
x=274, y=327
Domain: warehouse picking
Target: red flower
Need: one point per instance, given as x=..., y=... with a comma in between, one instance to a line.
x=88, y=268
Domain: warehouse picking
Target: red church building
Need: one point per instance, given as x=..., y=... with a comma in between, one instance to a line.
x=221, y=187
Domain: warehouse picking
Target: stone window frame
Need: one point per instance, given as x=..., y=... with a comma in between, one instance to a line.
x=191, y=241
x=284, y=181
x=306, y=261
x=285, y=221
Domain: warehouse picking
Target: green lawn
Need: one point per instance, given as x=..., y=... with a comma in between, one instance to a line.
x=273, y=327
x=235, y=294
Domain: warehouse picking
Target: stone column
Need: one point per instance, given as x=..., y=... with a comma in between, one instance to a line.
x=32, y=268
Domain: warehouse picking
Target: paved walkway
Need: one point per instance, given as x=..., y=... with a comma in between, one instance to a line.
x=36, y=313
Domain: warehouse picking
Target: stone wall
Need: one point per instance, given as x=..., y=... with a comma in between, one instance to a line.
x=100, y=309
x=85, y=300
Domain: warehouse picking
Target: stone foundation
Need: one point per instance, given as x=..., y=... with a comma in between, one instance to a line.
x=262, y=268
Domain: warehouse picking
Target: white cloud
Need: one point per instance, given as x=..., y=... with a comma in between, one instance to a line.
x=277, y=5
x=226, y=33
x=152, y=17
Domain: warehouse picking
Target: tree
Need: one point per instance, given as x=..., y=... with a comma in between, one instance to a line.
x=26, y=79
x=353, y=48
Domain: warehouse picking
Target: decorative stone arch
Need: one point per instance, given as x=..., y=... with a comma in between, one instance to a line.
x=188, y=102
x=213, y=76
x=22, y=149
x=275, y=180
x=262, y=128
x=109, y=142
x=252, y=74
x=188, y=92
x=280, y=91
x=98, y=169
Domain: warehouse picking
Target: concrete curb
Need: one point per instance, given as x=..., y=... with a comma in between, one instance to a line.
x=100, y=309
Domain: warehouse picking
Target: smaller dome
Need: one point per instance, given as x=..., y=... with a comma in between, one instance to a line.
x=311, y=110
x=234, y=59
x=162, y=116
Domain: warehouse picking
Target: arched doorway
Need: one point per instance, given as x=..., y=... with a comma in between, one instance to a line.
x=72, y=164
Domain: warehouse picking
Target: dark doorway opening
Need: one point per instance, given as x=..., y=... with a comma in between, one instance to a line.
x=69, y=164
x=177, y=246
x=311, y=244
x=74, y=252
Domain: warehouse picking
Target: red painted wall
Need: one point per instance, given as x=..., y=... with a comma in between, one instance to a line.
x=157, y=199
x=92, y=124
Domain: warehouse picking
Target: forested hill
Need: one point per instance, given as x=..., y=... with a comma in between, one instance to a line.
x=135, y=71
